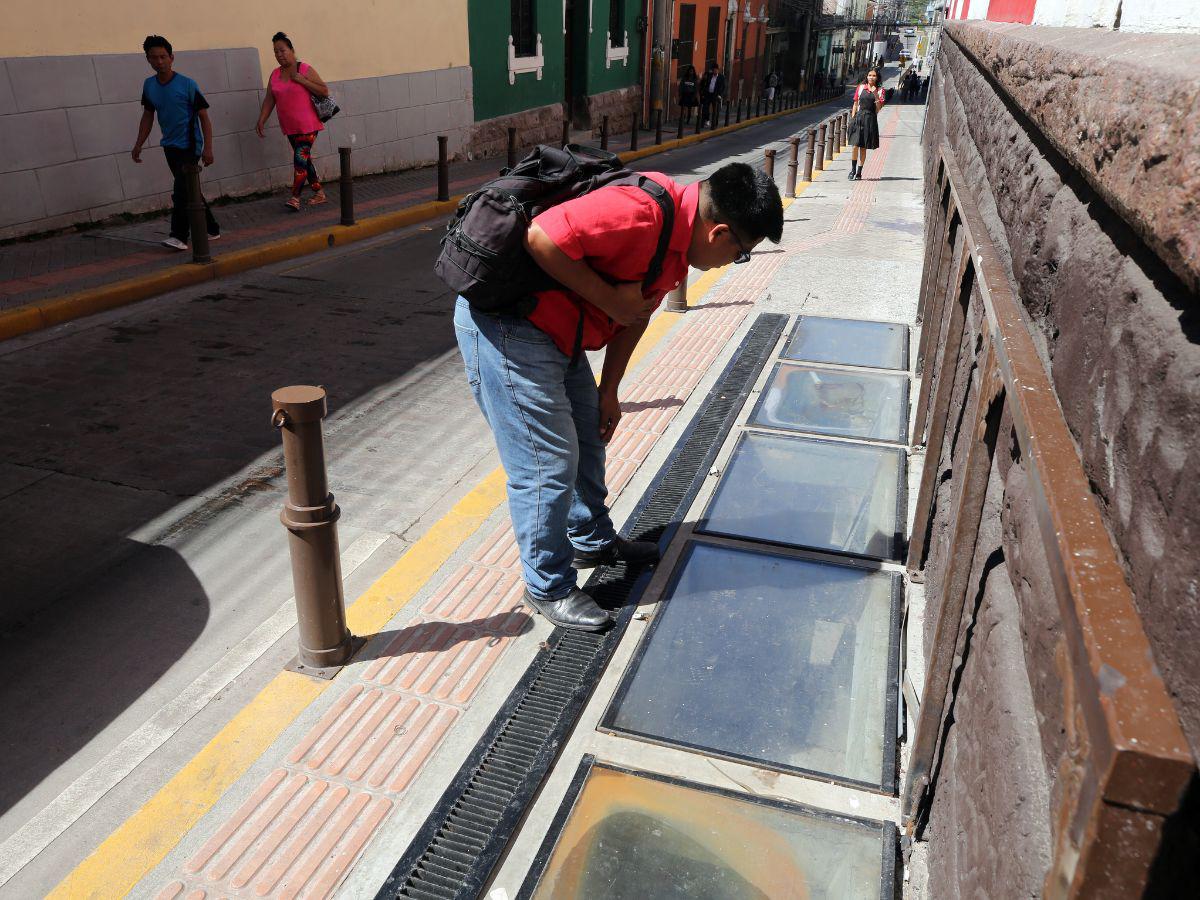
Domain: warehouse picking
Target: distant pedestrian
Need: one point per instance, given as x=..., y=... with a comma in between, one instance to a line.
x=186, y=133
x=291, y=89
x=864, y=126
x=771, y=84
x=712, y=89
x=688, y=93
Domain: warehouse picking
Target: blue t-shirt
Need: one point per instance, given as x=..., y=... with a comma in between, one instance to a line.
x=177, y=103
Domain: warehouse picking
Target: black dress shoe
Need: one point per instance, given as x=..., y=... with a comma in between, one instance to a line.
x=636, y=553
x=576, y=612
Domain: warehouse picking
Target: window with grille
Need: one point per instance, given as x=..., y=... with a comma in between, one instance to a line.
x=616, y=22
x=524, y=32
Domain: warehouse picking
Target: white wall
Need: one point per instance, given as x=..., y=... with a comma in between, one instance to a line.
x=1136, y=15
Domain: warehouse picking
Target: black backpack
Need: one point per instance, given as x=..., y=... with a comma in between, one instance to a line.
x=483, y=256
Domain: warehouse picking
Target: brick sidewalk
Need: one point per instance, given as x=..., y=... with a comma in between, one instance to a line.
x=42, y=268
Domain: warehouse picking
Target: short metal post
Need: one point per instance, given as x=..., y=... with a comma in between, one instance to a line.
x=633, y=128
x=793, y=165
x=679, y=134
x=845, y=129
x=836, y=124
x=658, y=117
x=819, y=158
x=566, y=135
x=769, y=162
x=700, y=110
x=604, y=133
x=829, y=144
x=728, y=110
x=512, y=147
x=443, y=167
x=197, y=221
x=310, y=516
x=738, y=118
x=808, y=154
x=677, y=299
x=346, y=186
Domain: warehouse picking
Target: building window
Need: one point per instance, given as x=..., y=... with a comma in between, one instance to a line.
x=714, y=30
x=524, y=32
x=687, y=36
x=616, y=23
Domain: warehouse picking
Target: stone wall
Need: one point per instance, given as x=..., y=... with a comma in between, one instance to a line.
x=618, y=105
x=1084, y=173
x=542, y=125
x=67, y=124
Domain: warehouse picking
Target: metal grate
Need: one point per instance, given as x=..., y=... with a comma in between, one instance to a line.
x=456, y=849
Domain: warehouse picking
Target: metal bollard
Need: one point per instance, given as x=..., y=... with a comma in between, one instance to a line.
x=728, y=110
x=346, y=186
x=677, y=299
x=443, y=168
x=566, y=135
x=679, y=134
x=819, y=159
x=700, y=111
x=310, y=516
x=793, y=165
x=829, y=144
x=845, y=129
x=738, y=118
x=512, y=147
x=658, y=117
x=836, y=125
x=633, y=128
x=197, y=221
x=604, y=133
x=808, y=154
x=769, y=162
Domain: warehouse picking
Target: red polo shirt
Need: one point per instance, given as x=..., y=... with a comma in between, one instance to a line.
x=615, y=231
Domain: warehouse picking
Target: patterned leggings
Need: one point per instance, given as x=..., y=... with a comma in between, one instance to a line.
x=302, y=163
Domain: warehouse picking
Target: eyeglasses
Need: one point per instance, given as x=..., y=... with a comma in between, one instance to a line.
x=743, y=254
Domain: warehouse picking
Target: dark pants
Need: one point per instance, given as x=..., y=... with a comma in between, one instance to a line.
x=180, y=226
x=710, y=107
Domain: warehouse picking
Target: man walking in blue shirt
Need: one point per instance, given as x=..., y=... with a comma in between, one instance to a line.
x=186, y=132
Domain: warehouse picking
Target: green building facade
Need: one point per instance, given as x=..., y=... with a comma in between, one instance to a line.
x=527, y=54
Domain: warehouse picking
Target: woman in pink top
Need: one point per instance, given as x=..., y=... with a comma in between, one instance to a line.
x=290, y=91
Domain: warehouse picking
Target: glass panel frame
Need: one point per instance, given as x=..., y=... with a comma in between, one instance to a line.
x=895, y=543
x=886, y=783
x=887, y=832
x=760, y=415
x=863, y=326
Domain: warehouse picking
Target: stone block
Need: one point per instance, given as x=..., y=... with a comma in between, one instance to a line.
x=244, y=68
x=357, y=96
x=29, y=140
x=104, y=129
x=22, y=198
x=149, y=177
x=120, y=76
x=410, y=122
x=395, y=91
x=346, y=131
x=367, y=161
x=8, y=103
x=462, y=114
x=235, y=111
x=205, y=67
x=227, y=158
x=381, y=127
x=424, y=88
x=52, y=82
x=447, y=85
x=149, y=203
x=80, y=185
x=246, y=183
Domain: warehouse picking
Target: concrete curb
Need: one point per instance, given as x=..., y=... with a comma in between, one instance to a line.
x=57, y=310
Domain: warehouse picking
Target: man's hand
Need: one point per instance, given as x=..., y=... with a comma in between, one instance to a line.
x=628, y=306
x=137, y=153
x=610, y=414
x=207, y=156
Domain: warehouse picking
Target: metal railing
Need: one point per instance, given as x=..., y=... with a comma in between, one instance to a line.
x=1128, y=762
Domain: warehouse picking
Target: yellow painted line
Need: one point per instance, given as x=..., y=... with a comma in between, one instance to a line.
x=126, y=856
x=146, y=837
x=57, y=310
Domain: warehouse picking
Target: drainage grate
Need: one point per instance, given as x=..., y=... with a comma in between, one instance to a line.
x=456, y=849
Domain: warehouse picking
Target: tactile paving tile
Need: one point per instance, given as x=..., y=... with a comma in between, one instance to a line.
x=490, y=599
x=442, y=660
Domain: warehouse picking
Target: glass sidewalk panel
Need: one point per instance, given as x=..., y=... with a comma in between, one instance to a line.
x=632, y=836
x=849, y=342
x=808, y=492
x=866, y=405
x=785, y=663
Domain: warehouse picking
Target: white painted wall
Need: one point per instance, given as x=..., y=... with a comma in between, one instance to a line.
x=1077, y=13
x=1161, y=15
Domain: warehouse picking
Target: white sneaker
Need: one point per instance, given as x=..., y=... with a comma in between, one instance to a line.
x=214, y=237
x=174, y=243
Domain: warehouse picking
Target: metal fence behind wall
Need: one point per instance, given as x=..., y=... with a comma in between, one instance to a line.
x=1132, y=761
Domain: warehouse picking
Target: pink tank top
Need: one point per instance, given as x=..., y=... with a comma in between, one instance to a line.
x=293, y=105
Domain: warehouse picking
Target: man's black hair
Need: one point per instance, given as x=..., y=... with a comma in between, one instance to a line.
x=157, y=40
x=745, y=199
x=280, y=36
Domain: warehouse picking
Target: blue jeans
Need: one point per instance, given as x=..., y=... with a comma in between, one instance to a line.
x=544, y=412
